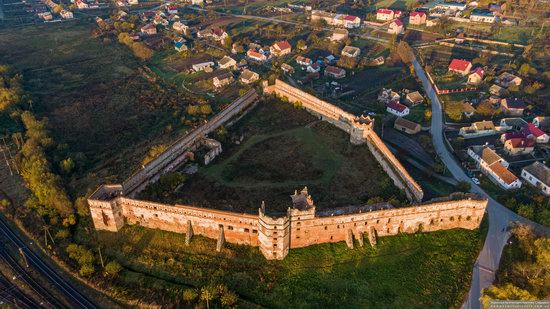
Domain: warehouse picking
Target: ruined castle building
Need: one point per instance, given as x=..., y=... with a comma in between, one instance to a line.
x=113, y=206
x=302, y=226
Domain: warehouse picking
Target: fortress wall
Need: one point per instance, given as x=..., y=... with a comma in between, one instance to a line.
x=345, y=121
x=170, y=158
x=465, y=214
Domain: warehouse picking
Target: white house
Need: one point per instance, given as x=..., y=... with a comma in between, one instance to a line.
x=384, y=14
x=397, y=109
x=202, y=66
x=227, y=62
x=351, y=51
x=537, y=175
x=482, y=16
x=179, y=26
x=396, y=27
x=494, y=166
x=476, y=77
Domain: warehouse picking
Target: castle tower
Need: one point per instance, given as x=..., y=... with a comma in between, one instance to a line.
x=273, y=235
x=361, y=127
x=301, y=216
x=105, y=210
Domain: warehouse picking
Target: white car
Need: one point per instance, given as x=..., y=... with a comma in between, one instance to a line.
x=475, y=180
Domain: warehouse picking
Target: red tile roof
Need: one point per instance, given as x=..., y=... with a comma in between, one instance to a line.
x=531, y=129
x=503, y=173
x=479, y=71
x=398, y=22
x=282, y=45
x=396, y=106
x=416, y=13
x=350, y=17
x=384, y=11
x=519, y=142
x=459, y=65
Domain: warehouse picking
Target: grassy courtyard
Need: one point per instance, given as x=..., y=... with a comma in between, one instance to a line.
x=284, y=149
x=431, y=270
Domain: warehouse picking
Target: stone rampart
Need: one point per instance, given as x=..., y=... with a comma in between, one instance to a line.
x=302, y=226
x=176, y=153
x=360, y=129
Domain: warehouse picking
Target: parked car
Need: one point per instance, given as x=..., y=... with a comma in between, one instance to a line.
x=475, y=180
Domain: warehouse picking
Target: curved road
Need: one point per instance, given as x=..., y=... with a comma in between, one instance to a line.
x=500, y=217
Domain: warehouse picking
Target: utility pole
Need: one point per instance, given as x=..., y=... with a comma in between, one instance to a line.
x=100, y=257
x=11, y=157
x=6, y=159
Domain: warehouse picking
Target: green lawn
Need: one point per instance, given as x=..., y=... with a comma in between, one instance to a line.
x=430, y=270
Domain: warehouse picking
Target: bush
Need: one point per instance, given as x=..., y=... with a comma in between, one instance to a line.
x=112, y=269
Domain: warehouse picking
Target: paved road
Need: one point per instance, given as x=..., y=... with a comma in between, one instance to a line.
x=43, y=267
x=500, y=217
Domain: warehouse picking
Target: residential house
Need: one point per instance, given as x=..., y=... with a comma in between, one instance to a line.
x=222, y=80
x=180, y=46
x=514, y=124
x=482, y=16
x=407, y=126
x=512, y=106
x=506, y=80
x=203, y=66
x=218, y=34
x=314, y=68
x=531, y=131
x=149, y=29
x=351, y=51
x=339, y=35
x=496, y=90
x=81, y=4
x=397, y=109
x=478, y=129
x=537, y=175
x=65, y=14
x=494, y=166
x=417, y=18
x=335, y=72
x=227, y=63
x=173, y=18
x=180, y=27
x=476, y=77
x=396, y=27
x=303, y=61
x=413, y=98
x=351, y=21
x=432, y=21
x=451, y=6
x=459, y=38
x=46, y=16
x=460, y=66
x=280, y=48
x=172, y=9
x=197, y=2
x=384, y=14
x=542, y=122
x=519, y=145
x=248, y=77
x=287, y=68
x=255, y=56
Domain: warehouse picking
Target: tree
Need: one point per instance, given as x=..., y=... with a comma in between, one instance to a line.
x=206, y=109
x=67, y=166
x=526, y=211
x=87, y=270
x=207, y=295
x=463, y=186
x=193, y=110
x=428, y=114
x=190, y=295
x=301, y=44
x=227, y=42
x=112, y=269
x=506, y=292
x=153, y=153
x=524, y=69
x=141, y=51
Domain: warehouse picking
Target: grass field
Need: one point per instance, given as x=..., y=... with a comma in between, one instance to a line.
x=285, y=149
x=102, y=106
x=431, y=270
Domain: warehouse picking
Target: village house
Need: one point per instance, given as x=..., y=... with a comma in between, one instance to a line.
x=81, y=4
x=385, y=14
x=203, y=66
x=417, y=18
x=249, y=77
x=531, y=131
x=339, y=35
x=476, y=77
x=387, y=95
x=280, y=48
x=149, y=29
x=460, y=66
x=459, y=38
x=494, y=166
x=432, y=21
x=47, y=16
x=287, y=68
x=314, y=68
x=537, y=175
x=519, y=146
x=478, y=129
x=180, y=27
x=351, y=51
x=303, y=61
x=157, y=42
x=173, y=18
x=413, y=99
x=407, y=126
x=397, y=109
x=333, y=19
x=222, y=80
x=396, y=27
x=227, y=63
x=496, y=90
x=451, y=6
x=506, y=80
x=66, y=14
x=180, y=46
x=217, y=34
x=255, y=56
x=197, y=2
x=335, y=72
x=351, y=22
x=512, y=106
x=510, y=124
x=482, y=16
x=468, y=110
x=172, y=9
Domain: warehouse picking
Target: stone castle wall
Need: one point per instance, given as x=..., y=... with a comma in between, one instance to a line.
x=175, y=155
x=275, y=236
x=359, y=133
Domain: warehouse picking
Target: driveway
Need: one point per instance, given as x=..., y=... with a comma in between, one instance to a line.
x=500, y=217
